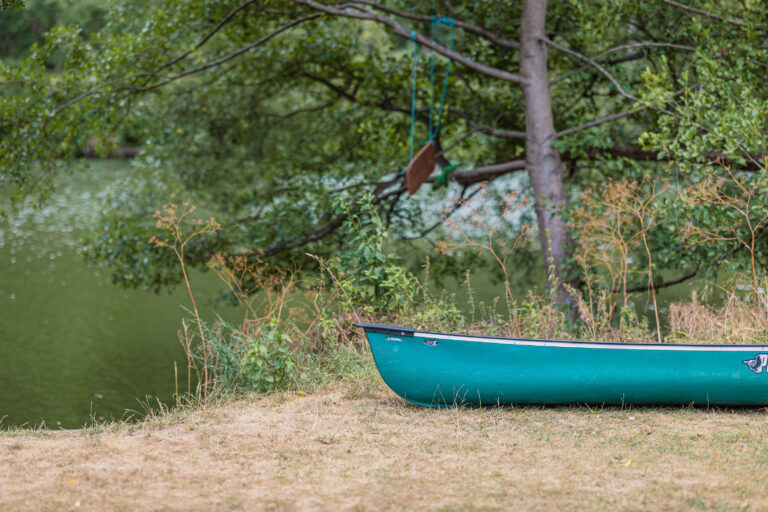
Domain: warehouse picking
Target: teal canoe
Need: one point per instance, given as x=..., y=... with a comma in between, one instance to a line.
x=441, y=369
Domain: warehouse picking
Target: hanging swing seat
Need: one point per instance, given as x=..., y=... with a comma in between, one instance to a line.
x=420, y=168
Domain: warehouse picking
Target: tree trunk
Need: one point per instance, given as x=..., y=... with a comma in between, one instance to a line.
x=542, y=159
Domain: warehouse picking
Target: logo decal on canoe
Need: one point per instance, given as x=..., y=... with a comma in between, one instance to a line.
x=757, y=364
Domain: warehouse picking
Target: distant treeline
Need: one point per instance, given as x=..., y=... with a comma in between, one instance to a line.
x=22, y=28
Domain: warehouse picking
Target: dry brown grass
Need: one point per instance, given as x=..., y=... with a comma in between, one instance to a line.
x=352, y=449
x=735, y=321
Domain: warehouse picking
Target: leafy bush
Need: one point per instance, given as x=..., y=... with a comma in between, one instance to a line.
x=255, y=359
x=269, y=363
x=368, y=277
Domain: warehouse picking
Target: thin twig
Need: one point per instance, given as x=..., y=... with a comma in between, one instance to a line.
x=706, y=14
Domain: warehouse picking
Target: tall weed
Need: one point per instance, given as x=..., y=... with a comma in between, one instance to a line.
x=737, y=320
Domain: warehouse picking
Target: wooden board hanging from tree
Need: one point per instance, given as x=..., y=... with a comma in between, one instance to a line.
x=420, y=168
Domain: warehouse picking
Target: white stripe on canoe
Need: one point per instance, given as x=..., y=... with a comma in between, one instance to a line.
x=586, y=344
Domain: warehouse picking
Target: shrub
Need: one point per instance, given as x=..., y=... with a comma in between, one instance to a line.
x=268, y=363
x=367, y=276
x=254, y=359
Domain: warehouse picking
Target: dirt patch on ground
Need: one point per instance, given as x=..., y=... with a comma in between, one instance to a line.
x=333, y=451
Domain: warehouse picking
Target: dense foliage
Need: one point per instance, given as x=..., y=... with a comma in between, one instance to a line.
x=266, y=113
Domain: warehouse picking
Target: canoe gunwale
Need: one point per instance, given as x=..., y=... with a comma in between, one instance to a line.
x=395, y=330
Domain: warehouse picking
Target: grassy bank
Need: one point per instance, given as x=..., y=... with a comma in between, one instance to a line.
x=356, y=446
x=285, y=411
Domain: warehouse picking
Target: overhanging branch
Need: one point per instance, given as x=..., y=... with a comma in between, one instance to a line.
x=705, y=14
x=619, y=115
x=386, y=105
x=488, y=172
x=665, y=284
x=473, y=29
x=207, y=36
x=399, y=30
x=319, y=232
x=635, y=56
x=115, y=85
x=634, y=152
x=597, y=122
x=221, y=60
x=592, y=62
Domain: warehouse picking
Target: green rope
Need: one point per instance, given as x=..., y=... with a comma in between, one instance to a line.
x=431, y=76
x=413, y=90
x=442, y=20
x=442, y=179
x=449, y=22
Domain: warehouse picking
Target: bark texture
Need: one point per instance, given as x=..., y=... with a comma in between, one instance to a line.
x=545, y=168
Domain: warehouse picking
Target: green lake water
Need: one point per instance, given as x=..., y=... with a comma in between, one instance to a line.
x=73, y=345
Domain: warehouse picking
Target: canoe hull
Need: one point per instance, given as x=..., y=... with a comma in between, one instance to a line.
x=438, y=369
